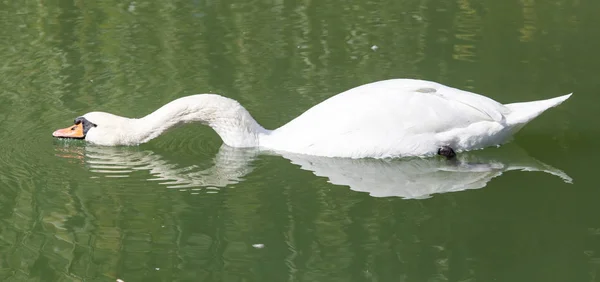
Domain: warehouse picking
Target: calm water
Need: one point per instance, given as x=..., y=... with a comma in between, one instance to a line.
x=184, y=208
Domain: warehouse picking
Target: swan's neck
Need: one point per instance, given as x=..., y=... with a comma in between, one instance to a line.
x=227, y=117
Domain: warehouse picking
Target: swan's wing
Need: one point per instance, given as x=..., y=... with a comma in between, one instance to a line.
x=494, y=110
x=397, y=105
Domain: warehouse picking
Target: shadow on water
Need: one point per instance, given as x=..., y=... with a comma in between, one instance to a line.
x=414, y=178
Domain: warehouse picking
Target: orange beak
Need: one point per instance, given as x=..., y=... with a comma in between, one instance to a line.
x=75, y=131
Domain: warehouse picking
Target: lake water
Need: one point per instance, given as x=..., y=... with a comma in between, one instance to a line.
x=184, y=208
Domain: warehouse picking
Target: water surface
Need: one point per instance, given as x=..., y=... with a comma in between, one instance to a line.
x=185, y=208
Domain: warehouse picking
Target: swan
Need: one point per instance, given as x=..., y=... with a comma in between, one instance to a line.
x=384, y=119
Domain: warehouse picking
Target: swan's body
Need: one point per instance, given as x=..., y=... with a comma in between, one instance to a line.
x=392, y=118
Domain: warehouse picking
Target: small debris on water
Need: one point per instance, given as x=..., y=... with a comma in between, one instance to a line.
x=374, y=47
x=119, y=280
x=131, y=7
x=258, y=246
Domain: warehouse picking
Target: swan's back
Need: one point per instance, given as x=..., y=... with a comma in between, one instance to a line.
x=386, y=118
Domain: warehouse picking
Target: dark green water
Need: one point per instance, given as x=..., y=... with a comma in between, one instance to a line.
x=181, y=208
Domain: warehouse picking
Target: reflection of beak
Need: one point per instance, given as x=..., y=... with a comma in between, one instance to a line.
x=75, y=131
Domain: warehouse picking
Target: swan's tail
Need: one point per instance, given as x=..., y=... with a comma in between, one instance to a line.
x=522, y=113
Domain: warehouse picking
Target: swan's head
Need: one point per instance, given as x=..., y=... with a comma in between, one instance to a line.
x=101, y=128
x=81, y=126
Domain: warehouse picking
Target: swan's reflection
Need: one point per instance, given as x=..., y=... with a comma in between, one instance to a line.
x=229, y=166
x=420, y=178
x=406, y=178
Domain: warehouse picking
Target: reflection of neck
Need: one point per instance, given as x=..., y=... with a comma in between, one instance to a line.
x=227, y=117
x=230, y=165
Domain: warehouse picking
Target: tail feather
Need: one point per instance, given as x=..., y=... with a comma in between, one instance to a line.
x=522, y=113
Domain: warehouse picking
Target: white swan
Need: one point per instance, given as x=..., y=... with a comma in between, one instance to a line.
x=391, y=118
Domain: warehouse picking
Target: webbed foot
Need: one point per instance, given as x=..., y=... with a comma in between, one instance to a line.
x=447, y=152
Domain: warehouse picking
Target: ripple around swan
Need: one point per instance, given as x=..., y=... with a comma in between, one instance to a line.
x=21, y=161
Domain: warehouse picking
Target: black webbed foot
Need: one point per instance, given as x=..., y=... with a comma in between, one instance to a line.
x=447, y=152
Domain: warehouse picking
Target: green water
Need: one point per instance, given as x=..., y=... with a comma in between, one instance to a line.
x=184, y=208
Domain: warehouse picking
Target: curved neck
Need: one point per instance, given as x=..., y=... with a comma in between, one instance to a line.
x=227, y=117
